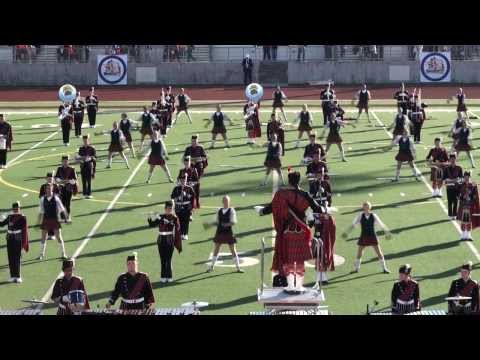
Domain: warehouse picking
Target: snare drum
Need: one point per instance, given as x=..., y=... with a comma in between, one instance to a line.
x=77, y=297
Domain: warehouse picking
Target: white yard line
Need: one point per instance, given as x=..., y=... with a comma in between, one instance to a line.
x=95, y=228
x=439, y=201
x=275, y=186
x=32, y=148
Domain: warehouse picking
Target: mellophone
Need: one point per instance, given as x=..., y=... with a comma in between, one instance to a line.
x=156, y=312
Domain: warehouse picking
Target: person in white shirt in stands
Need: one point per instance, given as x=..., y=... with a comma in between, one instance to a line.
x=226, y=218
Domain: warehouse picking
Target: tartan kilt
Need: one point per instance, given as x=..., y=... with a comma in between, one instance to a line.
x=463, y=214
x=50, y=224
x=224, y=238
x=115, y=148
x=297, y=249
x=404, y=157
x=461, y=107
x=156, y=160
x=367, y=241
x=361, y=105
x=304, y=127
x=334, y=139
x=146, y=130
x=128, y=137
x=219, y=130
x=463, y=147
x=273, y=163
x=277, y=104
x=439, y=174
x=181, y=108
x=397, y=132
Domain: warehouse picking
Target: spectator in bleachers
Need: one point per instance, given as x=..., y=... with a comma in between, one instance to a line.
x=301, y=52
x=266, y=52
x=190, y=56
x=274, y=52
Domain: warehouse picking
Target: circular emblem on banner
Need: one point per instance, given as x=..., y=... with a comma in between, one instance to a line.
x=112, y=69
x=435, y=67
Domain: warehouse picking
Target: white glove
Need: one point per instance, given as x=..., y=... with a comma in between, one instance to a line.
x=87, y=158
x=3, y=217
x=65, y=299
x=258, y=208
x=72, y=181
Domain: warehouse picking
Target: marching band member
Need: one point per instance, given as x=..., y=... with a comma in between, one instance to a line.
x=65, y=115
x=87, y=155
x=182, y=105
x=457, y=124
x=464, y=141
x=252, y=122
x=49, y=181
x=92, y=107
x=453, y=176
x=312, y=148
x=327, y=95
x=6, y=137
x=193, y=179
x=406, y=153
x=416, y=117
x=226, y=218
x=78, y=113
x=399, y=125
x=334, y=124
x=461, y=106
x=50, y=209
x=368, y=235
x=170, y=103
x=293, y=242
x=3, y=151
x=278, y=101
x=405, y=293
x=305, y=119
x=147, y=120
x=402, y=99
x=66, y=178
x=125, y=126
x=160, y=113
x=218, y=119
x=363, y=97
x=468, y=207
x=197, y=154
x=183, y=196
x=168, y=239
x=17, y=239
x=320, y=188
x=464, y=286
x=316, y=167
x=158, y=156
x=67, y=288
x=272, y=161
x=274, y=126
x=134, y=287
x=437, y=159
x=116, y=137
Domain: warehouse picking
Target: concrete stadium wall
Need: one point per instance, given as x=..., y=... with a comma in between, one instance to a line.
x=378, y=72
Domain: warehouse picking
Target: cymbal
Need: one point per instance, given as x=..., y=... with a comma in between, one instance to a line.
x=196, y=304
x=458, y=298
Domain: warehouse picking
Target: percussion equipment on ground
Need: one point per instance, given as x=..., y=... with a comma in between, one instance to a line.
x=20, y=312
x=254, y=92
x=67, y=93
x=421, y=312
x=156, y=312
x=291, y=312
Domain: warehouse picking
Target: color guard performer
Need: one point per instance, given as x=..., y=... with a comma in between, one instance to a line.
x=405, y=293
x=327, y=96
x=464, y=141
x=78, y=114
x=168, y=239
x=402, y=99
x=87, y=155
x=116, y=138
x=461, y=106
x=126, y=126
x=147, y=119
x=193, y=179
x=363, y=97
x=197, y=154
x=92, y=107
x=49, y=181
x=312, y=148
x=457, y=124
x=134, y=287
x=305, y=119
x=218, y=119
x=453, y=177
x=293, y=242
x=416, y=117
x=334, y=124
x=160, y=112
x=170, y=103
x=17, y=239
x=226, y=218
x=158, y=156
x=182, y=105
x=252, y=122
x=279, y=99
x=6, y=138
x=400, y=125
x=66, y=178
x=65, y=115
x=69, y=291
x=437, y=159
x=406, y=153
x=51, y=208
x=274, y=126
x=368, y=235
x=468, y=207
x=273, y=159
x=467, y=287
x=183, y=196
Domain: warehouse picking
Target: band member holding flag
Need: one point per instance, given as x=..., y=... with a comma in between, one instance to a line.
x=464, y=141
x=279, y=99
x=453, y=177
x=218, y=119
x=126, y=126
x=193, y=179
x=252, y=122
x=274, y=126
x=305, y=120
x=406, y=153
x=311, y=149
x=197, y=154
x=158, y=156
x=465, y=286
x=17, y=239
x=168, y=239
x=363, y=97
x=437, y=159
x=66, y=178
x=405, y=293
x=368, y=235
x=147, y=120
x=69, y=291
x=92, y=107
x=116, y=138
x=183, y=196
x=182, y=105
x=469, y=207
x=65, y=115
x=273, y=159
x=134, y=287
x=87, y=155
x=293, y=241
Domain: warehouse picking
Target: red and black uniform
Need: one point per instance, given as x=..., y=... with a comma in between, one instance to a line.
x=305, y=123
x=438, y=155
x=461, y=288
x=193, y=180
x=468, y=205
x=368, y=235
x=334, y=132
x=275, y=127
x=402, y=98
x=78, y=113
x=325, y=230
x=321, y=192
x=400, y=125
x=170, y=104
x=67, y=190
x=17, y=239
x=136, y=291
x=462, y=140
x=169, y=237
x=218, y=123
x=363, y=100
x=327, y=97
x=452, y=175
x=6, y=131
x=87, y=167
x=404, y=150
x=198, y=158
x=147, y=123
x=252, y=123
x=126, y=126
x=184, y=199
x=115, y=141
x=417, y=118
x=278, y=97
x=62, y=288
x=405, y=297
x=158, y=154
x=92, y=108
x=66, y=120
x=461, y=106
x=274, y=152
x=312, y=149
x=224, y=233
x=315, y=168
